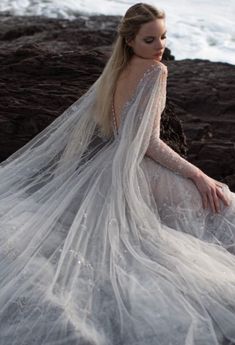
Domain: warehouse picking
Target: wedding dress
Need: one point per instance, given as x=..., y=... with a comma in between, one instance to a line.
x=104, y=241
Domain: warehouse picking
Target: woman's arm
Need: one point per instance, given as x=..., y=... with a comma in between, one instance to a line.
x=209, y=188
x=159, y=151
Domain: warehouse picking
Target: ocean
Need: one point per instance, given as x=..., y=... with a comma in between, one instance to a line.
x=203, y=29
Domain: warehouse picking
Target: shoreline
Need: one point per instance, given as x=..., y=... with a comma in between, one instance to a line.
x=91, y=21
x=48, y=63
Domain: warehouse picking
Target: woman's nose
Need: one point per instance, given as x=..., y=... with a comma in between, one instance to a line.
x=159, y=45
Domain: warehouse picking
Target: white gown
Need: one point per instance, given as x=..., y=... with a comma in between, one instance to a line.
x=102, y=245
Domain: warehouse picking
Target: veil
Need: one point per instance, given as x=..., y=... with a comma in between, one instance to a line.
x=84, y=256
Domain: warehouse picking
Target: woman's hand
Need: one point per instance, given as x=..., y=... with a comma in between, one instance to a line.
x=211, y=191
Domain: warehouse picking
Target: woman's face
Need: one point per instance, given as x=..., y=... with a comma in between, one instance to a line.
x=150, y=41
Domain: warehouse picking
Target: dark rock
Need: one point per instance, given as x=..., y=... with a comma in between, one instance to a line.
x=46, y=64
x=203, y=93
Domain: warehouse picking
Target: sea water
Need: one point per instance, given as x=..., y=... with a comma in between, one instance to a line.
x=195, y=28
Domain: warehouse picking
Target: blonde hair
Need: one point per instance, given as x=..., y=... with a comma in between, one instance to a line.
x=129, y=26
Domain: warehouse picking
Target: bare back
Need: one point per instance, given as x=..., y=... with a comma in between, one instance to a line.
x=127, y=83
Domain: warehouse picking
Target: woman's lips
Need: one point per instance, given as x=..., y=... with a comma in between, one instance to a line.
x=158, y=55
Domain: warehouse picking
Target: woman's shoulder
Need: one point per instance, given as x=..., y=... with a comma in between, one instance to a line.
x=144, y=65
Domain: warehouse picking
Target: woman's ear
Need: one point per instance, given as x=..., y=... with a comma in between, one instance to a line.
x=129, y=42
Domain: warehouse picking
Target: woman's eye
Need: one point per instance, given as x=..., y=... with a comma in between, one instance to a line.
x=150, y=41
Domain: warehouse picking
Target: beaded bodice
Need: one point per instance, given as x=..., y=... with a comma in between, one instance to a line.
x=157, y=149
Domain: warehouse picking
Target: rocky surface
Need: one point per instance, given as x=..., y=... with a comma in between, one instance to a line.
x=204, y=97
x=46, y=64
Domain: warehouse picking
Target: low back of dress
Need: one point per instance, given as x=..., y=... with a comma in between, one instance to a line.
x=125, y=87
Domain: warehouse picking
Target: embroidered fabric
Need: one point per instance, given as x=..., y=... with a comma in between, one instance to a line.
x=164, y=154
x=158, y=149
x=102, y=245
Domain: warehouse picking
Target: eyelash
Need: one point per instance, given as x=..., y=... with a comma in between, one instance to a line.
x=164, y=37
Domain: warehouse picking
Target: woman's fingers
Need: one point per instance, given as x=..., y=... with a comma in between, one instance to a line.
x=211, y=192
x=204, y=201
x=222, y=197
x=211, y=200
x=221, y=194
x=216, y=200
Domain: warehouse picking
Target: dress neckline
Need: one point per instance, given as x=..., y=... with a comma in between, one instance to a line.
x=130, y=100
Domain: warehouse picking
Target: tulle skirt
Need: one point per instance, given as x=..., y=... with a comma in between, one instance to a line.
x=179, y=205
x=75, y=270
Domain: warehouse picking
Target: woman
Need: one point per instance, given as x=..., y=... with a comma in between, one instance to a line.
x=107, y=235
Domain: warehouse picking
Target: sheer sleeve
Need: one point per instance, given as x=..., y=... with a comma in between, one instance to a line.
x=158, y=150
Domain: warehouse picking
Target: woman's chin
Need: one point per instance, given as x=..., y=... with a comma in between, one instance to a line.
x=157, y=57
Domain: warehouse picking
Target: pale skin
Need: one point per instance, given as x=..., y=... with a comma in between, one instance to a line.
x=148, y=45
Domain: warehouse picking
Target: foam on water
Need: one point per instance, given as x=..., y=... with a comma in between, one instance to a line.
x=196, y=29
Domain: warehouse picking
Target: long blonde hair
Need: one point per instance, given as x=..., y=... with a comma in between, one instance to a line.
x=129, y=26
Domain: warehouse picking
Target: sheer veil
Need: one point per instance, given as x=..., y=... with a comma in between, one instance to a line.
x=84, y=257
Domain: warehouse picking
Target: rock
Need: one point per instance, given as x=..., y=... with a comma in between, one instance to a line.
x=203, y=93
x=47, y=64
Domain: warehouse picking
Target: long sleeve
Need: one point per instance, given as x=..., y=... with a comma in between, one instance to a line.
x=158, y=150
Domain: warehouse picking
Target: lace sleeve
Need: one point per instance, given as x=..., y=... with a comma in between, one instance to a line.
x=158, y=150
